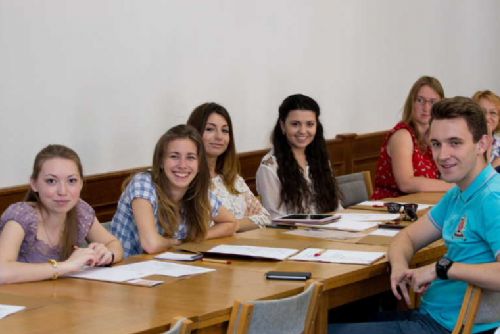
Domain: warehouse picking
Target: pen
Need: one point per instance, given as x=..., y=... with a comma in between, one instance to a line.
x=216, y=261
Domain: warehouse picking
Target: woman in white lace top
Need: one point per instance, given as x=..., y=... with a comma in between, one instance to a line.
x=296, y=175
x=214, y=124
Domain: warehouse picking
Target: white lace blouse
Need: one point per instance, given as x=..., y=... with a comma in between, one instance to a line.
x=269, y=188
x=241, y=205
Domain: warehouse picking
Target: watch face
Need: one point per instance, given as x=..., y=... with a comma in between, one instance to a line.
x=444, y=261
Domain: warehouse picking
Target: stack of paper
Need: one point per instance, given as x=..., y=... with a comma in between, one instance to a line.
x=254, y=251
x=358, y=221
x=337, y=256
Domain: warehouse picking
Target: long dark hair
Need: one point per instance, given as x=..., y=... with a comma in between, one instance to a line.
x=195, y=205
x=70, y=232
x=227, y=164
x=294, y=188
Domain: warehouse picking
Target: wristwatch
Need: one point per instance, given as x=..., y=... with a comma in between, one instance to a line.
x=442, y=267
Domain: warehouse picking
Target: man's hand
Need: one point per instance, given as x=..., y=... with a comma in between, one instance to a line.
x=422, y=277
x=401, y=279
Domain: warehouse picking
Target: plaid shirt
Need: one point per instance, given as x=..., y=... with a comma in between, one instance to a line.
x=123, y=225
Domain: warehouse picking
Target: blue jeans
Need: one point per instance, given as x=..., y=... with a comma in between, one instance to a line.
x=409, y=322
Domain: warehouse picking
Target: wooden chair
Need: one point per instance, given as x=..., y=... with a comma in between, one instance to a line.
x=478, y=307
x=354, y=188
x=180, y=325
x=292, y=315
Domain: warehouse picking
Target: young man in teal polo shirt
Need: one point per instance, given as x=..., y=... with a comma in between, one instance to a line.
x=468, y=220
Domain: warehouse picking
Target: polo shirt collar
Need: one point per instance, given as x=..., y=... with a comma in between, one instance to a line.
x=479, y=182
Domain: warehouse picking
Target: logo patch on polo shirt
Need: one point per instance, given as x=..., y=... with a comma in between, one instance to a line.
x=459, y=232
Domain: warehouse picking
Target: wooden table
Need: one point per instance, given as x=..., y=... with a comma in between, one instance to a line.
x=81, y=306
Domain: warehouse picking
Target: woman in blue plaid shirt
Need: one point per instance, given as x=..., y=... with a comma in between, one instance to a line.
x=171, y=203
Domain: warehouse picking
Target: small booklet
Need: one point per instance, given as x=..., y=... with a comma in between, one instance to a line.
x=185, y=256
x=337, y=256
x=144, y=282
x=306, y=219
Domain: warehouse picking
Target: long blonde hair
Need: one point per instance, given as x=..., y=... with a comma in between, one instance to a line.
x=195, y=205
x=70, y=232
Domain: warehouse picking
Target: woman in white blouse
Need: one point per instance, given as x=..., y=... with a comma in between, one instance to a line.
x=296, y=175
x=214, y=124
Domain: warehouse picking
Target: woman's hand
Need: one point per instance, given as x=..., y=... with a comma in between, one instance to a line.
x=80, y=258
x=103, y=254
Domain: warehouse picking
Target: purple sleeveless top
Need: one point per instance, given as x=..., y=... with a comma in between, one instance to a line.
x=32, y=249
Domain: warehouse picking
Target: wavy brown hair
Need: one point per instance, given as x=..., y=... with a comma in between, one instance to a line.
x=227, y=164
x=195, y=205
x=462, y=107
x=294, y=188
x=412, y=96
x=70, y=233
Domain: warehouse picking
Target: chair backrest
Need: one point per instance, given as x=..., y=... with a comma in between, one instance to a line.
x=180, y=325
x=354, y=188
x=291, y=315
x=478, y=307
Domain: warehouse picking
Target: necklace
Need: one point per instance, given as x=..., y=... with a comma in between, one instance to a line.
x=49, y=240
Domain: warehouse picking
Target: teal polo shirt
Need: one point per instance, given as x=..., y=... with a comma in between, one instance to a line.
x=470, y=225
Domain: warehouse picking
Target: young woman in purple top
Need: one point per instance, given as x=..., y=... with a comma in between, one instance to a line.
x=45, y=236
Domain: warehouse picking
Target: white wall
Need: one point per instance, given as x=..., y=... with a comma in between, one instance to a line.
x=108, y=77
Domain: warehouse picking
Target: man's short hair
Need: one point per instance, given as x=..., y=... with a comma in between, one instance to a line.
x=462, y=107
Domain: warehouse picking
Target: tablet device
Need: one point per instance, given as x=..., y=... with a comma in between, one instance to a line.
x=289, y=275
x=312, y=219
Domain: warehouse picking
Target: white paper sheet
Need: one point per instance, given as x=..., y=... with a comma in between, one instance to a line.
x=346, y=224
x=167, y=268
x=363, y=217
x=326, y=234
x=255, y=251
x=113, y=274
x=6, y=310
x=132, y=271
x=337, y=256
x=378, y=204
x=385, y=232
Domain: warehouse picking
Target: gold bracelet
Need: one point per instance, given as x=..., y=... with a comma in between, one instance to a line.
x=55, y=265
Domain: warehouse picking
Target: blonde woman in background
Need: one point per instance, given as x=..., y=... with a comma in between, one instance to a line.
x=490, y=102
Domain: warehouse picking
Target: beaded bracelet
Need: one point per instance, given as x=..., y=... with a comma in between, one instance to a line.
x=55, y=265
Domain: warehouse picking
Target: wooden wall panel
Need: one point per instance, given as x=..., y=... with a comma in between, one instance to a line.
x=349, y=153
x=365, y=152
x=250, y=162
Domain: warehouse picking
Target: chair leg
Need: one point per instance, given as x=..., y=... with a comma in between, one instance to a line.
x=470, y=306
